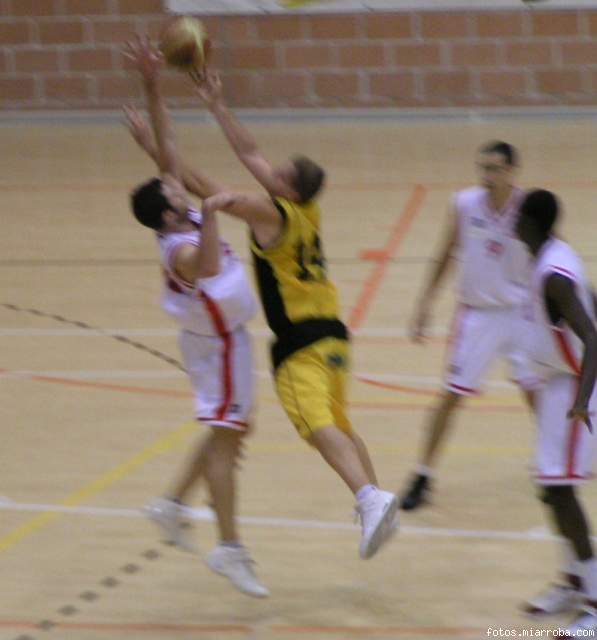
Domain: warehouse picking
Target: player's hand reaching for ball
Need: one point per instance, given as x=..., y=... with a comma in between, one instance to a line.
x=209, y=87
x=145, y=57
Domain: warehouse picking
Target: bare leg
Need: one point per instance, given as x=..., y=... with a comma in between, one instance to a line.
x=439, y=423
x=220, y=473
x=342, y=454
x=438, y=427
x=193, y=472
x=364, y=457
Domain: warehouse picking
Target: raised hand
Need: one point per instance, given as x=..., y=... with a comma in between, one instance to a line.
x=209, y=86
x=139, y=129
x=145, y=57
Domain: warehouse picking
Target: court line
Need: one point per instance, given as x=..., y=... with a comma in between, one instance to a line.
x=373, y=282
x=173, y=393
x=99, y=484
x=293, y=630
x=167, y=332
x=204, y=514
x=160, y=374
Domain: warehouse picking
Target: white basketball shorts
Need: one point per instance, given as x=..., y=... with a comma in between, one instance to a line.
x=565, y=448
x=221, y=372
x=479, y=336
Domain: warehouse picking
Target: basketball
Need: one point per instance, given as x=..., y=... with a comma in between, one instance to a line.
x=184, y=44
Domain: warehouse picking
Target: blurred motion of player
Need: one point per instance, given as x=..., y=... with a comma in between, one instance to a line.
x=562, y=343
x=493, y=284
x=310, y=354
x=206, y=290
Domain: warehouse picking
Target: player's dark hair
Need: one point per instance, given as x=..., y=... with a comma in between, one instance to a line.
x=309, y=178
x=148, y=203
x=542, y=207
x=505, y=149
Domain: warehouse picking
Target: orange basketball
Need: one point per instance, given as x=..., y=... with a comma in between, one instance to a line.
x=185, y=44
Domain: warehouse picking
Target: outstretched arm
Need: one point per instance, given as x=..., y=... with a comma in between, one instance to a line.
x=560, y=291
x=195, y=181
x=209, y=88
x=149, y=62
x=203, y=261
x=258, y=211
x=435, y=276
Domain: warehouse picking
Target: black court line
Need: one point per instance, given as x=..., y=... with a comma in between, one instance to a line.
x=92, y=595
x=83, y=325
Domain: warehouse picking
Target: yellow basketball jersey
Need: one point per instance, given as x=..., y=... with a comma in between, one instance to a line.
x=299, y=300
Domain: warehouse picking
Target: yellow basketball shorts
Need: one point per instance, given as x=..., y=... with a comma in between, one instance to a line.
x=311, y=385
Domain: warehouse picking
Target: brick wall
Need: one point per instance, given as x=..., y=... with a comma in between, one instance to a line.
x=66, y=54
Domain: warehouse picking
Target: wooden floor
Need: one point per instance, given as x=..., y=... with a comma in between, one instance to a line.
x=93, y=427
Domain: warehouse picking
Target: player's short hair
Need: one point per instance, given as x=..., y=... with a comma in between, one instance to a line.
x=505, y=149
x=542, y=207
x=309, y=178
x=148, y=203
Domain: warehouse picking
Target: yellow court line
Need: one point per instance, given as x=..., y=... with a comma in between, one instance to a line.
x=110, y=477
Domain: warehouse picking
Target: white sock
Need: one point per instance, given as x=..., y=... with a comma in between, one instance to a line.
x=424, y=470
x=589, y=578
x=365, y=492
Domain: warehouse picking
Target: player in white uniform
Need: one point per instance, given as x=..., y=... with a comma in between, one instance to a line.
x=562, y=344
x=207, y=291
x=494, y=267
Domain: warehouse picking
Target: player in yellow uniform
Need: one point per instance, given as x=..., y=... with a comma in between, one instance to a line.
x=310, y=354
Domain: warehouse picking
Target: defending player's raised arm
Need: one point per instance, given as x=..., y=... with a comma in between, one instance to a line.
x=149, y=62
x=194, y=180
x=561, y=293
x=209, y=89
x=258, y=211
x=203, y=261
x=438, y=270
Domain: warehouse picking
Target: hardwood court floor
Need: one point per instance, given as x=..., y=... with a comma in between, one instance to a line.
x=94, y=427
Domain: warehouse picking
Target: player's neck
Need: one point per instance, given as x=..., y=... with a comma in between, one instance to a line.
x=499, y=197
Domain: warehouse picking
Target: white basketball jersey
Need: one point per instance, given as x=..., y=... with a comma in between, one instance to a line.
x=209, y=306
x=555, y=349
x=494, y=263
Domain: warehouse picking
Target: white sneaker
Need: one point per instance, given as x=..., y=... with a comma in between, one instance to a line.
x=557, y=598
x=379, y=521
x=167, y=514
x=236, y=564
x=585, y=623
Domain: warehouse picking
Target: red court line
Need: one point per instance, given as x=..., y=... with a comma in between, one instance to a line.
x=73, y=382
x=172, y=393
x=291, y=630
x=373, y=282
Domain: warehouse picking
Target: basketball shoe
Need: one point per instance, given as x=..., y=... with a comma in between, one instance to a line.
x=236, y=564
x=417, y=493
x=167, y=515
x=557, y=598
x=379, y=521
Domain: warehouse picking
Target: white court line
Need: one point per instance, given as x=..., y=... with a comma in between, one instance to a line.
x=156, y=374
x=262, y=332
x=206, y=515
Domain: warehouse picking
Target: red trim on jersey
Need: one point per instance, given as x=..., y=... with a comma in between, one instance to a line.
x=236, y=423
x=566, y=350
x=575, y=425
x=457, y=387
x=572, y=476
x=563, y=271
x=220, y=326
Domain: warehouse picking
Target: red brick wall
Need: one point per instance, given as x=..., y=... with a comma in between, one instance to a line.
x=66, y=54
